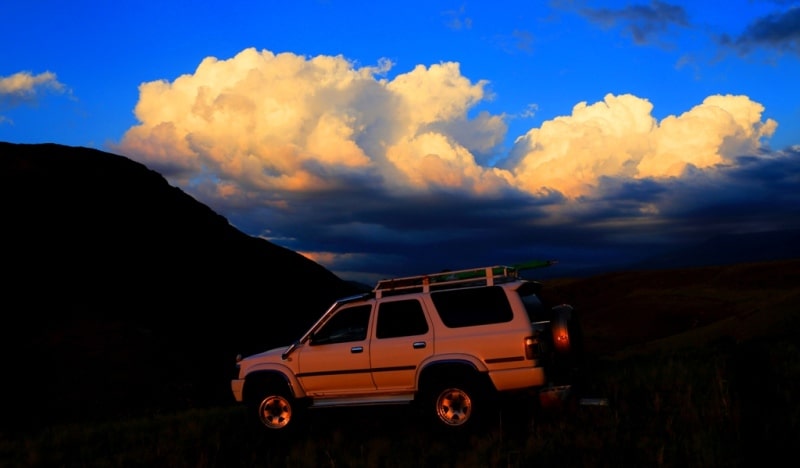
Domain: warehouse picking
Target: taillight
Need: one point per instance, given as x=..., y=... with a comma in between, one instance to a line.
x=532, y=347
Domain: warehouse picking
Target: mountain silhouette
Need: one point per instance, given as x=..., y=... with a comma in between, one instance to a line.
x=123, y=291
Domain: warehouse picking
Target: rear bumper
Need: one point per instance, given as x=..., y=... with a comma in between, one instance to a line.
x=554, y=397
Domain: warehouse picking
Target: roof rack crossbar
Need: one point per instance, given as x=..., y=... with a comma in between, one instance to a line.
x=484, y=275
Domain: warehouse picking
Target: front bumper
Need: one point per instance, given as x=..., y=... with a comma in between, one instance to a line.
x=237, y=386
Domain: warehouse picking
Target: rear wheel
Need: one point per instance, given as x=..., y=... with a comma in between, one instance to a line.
x=457, y=405
x=567, y=340
x=454, y=406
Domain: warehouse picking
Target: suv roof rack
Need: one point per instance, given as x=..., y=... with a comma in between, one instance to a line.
x=482, y=276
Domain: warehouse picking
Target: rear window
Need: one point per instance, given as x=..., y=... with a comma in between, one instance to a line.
x=472, y=307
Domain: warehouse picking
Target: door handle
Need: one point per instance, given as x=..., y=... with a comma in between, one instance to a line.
x=357, y=349
x=419, y=344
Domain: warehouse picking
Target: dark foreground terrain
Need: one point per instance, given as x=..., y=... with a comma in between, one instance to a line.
x=698, y=367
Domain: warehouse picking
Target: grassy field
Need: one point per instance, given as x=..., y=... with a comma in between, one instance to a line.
x=706, y=408
x=713, y=384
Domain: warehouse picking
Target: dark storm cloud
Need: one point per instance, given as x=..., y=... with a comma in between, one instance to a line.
x=410, y=234
x=758, y=193
x=642, y=22
x=624, y=221
x=777, y=31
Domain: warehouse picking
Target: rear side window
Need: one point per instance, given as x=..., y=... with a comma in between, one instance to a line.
x=535, y=308
x=471, y=307
x=401, y=318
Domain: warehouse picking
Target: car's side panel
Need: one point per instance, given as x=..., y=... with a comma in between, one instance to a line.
x=519, y=378
x=395, y=361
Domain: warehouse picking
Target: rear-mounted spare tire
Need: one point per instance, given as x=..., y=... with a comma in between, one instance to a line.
x=561, y=328
x=567, y=338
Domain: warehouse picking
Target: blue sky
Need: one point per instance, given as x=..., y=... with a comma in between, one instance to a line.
x=388, y=139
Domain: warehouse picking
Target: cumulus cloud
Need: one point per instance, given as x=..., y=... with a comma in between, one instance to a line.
x=316, y=148
x=262, y=121
x=619, y=138
x=26, y=88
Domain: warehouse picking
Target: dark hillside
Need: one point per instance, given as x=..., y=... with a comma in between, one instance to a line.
x=122, y=291
x=623, y=312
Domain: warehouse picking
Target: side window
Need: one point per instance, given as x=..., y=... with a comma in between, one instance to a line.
x=401, y=318
x=348, y=324
x=471, y=307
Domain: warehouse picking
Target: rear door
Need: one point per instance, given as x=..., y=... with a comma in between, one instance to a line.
x=402, y=339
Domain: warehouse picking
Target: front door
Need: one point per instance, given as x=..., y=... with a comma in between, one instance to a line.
x=336, y=358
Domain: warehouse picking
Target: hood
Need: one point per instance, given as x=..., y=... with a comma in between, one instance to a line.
x=268, y=353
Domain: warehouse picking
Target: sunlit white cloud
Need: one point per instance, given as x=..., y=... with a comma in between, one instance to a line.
x=261, y=121
x=620, y=138
x=25, y=88
x=283, y=122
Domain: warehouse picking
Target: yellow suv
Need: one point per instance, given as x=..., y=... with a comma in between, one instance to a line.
x=449, y=343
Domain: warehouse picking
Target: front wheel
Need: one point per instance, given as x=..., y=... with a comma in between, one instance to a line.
x=275, y=412
x=273, y=407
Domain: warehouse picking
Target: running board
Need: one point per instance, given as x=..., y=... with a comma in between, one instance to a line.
x=368, y=400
